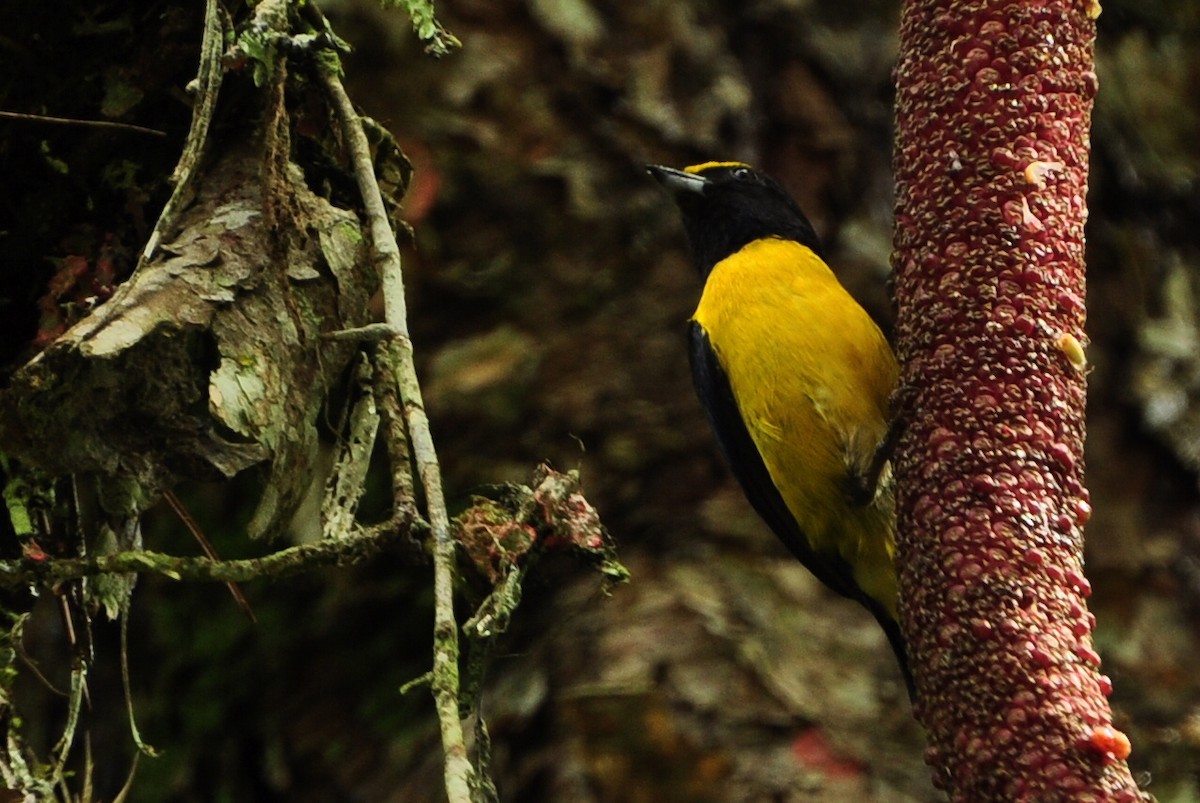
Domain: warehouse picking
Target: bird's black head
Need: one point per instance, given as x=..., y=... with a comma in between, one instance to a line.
x=726, y=205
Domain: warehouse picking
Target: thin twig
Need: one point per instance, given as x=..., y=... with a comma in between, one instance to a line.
x=142, y=745
x=17, y=640
x=459, y=774
x=207, y=83
x=42, y=118
x=207, y=547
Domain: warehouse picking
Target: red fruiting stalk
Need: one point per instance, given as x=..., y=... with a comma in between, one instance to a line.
x=994, y=100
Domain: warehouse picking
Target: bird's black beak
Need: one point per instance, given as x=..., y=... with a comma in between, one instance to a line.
x=678, y=182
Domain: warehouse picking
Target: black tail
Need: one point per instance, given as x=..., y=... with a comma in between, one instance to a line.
x=891, y=629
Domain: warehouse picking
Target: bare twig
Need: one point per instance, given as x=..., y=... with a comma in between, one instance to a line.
x=207, y=82
x=459, y=775
x=207, y=547
x=17, y=638
x=142, y=745
x=42, y=118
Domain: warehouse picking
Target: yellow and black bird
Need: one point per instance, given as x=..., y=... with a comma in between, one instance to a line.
x=795, y=379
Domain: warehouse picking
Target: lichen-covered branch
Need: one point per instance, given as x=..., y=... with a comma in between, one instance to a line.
x=994, y=100
x=459, y=774
x=363, y=545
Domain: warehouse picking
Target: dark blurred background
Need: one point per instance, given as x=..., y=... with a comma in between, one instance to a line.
x=549, y=289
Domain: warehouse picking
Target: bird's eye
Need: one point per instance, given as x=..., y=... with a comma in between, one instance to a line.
x=741, y=173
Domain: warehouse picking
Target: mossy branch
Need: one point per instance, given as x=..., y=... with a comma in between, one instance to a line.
x=459, y=774
x=359, y=547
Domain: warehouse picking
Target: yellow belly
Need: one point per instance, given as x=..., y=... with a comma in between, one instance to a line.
x=811, y=374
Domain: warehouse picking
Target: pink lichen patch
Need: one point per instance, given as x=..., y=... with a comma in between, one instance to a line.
x=492, y=540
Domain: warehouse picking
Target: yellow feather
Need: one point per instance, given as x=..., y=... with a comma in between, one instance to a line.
x=700, y=168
